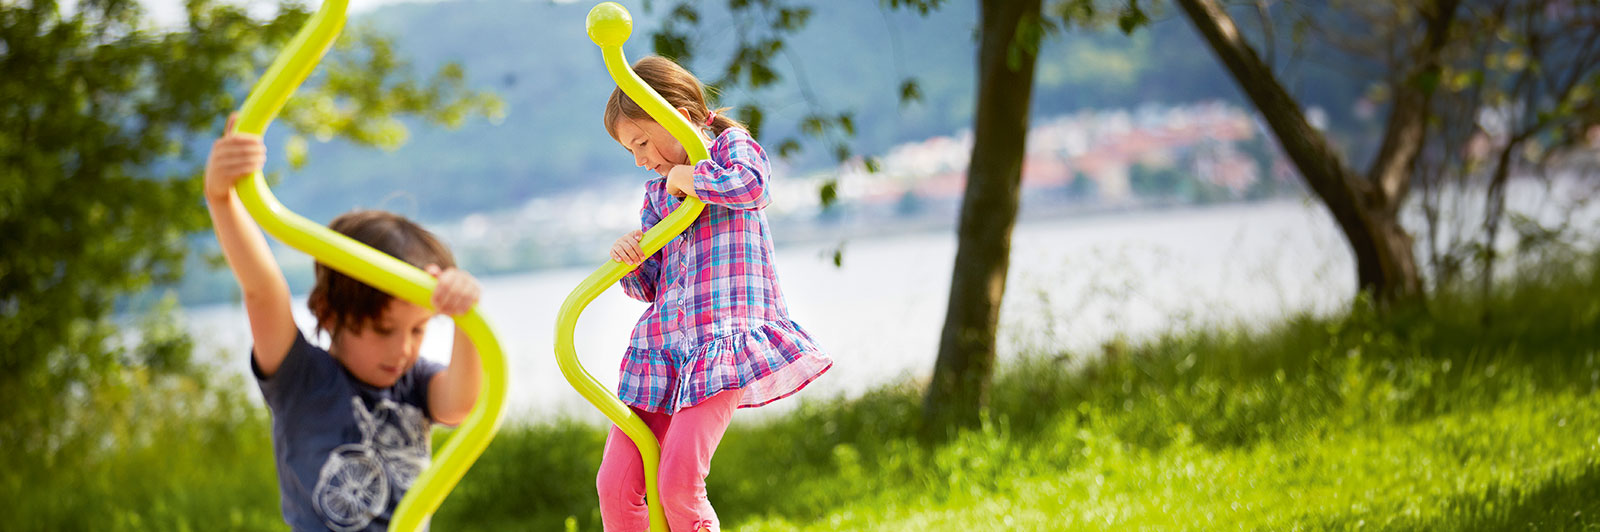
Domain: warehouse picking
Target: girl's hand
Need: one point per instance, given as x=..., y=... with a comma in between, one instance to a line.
x=233, y=157
x=457, y=291
x=627, y=250
x=680, y=181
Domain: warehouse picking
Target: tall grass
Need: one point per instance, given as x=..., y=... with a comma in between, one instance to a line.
x=1468, y=413
x=150, y=451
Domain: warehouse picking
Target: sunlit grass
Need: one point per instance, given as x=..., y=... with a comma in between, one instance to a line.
x=1424, y=419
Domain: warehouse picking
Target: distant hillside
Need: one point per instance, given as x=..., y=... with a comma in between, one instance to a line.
x=854, y=56
x=537, y=57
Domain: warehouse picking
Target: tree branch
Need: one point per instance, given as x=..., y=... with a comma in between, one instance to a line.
x=1321, y=165
x=1407, y=127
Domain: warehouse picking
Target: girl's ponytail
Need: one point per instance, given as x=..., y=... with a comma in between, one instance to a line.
x=721, y=122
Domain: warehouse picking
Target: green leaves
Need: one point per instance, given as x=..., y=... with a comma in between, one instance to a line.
x=753, y=118
x=671, y=45
x=762, y=28
x=788, y=148
x=910, y=92
x=362, y=87
x=812, y=125
x=686, y=13
x=922, y=7
x=104, y=127
x=1132, y=17
x=753, y=61
x=820, y=127
x=1426, y=81
x=792, y=19
x=829, y=193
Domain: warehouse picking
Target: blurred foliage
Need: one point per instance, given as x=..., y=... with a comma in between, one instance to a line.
x=158, y=441
x=1503, y=91
x=768, y=28
x=99, y=185
x=1532, y=73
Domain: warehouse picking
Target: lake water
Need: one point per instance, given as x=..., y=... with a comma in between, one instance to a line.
x=1073, y=284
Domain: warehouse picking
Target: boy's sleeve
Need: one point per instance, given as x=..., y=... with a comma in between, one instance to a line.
x=640, y=283
x=736, y=174
x=301, y=370
x=422, y=374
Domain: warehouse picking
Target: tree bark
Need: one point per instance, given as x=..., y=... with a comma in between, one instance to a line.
x=1367, y=210
x=1494, y=211
x=959, y=389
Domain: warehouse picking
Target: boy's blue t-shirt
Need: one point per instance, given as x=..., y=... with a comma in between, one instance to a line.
x=346, y=451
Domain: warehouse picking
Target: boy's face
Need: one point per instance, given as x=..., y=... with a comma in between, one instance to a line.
x=383, y=350
x=652, y=146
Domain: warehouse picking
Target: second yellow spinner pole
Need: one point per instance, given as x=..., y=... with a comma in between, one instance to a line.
x=609, y=26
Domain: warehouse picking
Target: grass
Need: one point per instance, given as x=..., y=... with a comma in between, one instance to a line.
x=1413, y=419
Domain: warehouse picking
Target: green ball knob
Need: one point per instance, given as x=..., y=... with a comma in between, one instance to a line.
x=609, y=24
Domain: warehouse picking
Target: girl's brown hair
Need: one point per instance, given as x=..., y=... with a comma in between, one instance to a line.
x=677, y=86
x=341, y=303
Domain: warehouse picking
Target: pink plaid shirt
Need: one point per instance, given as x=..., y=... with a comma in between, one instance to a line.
x=717, y=320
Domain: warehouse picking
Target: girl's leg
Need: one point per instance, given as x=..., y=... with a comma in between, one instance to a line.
x=620, y=481
x=686, y=453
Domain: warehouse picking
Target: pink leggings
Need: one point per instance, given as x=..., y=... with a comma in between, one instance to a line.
x=688, y=439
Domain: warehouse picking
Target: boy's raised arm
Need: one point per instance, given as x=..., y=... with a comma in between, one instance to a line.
x=266, y=292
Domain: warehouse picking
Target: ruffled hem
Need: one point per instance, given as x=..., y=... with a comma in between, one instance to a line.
x=768, y=362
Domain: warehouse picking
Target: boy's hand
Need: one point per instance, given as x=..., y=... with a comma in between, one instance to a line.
x=456, y=293
x=233, y=157
x=627, y=250
x=680, y=181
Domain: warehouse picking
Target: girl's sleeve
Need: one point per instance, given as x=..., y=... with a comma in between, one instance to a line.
x=735, y=176
x=640, y=283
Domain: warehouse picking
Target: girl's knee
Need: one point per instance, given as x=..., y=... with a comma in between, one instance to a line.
x=618, y=481
x=622, y=500
x=680, y=489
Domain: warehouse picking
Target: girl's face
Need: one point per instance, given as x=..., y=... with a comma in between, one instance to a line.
x=383, y=350
x=652, y=147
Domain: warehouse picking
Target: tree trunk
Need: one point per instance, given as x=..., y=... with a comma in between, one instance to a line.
x=1494, y=210
x=1367, y=210
x=959, y=389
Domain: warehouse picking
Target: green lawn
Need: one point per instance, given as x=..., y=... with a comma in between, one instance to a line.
x=1529, y=462
x=1440, y=418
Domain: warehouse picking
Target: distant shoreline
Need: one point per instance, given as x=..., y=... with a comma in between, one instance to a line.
x=934, y=219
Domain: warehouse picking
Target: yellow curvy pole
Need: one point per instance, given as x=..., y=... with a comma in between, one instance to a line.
x=372, y=267
x=609, y=26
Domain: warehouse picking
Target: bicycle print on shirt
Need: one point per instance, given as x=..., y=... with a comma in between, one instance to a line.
x=358, y=479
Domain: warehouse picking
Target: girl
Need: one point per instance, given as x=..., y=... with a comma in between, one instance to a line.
x=350, y=423
x=717, y=335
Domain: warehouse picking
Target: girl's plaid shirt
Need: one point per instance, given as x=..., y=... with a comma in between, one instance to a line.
x=717, y=319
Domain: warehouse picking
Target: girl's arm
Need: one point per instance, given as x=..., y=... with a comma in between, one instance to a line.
x=266, y=293
x=452, y=392
x=640, y=283
x=739, y=182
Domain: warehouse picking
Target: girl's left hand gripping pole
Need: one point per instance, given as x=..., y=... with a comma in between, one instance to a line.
x=372, y=267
